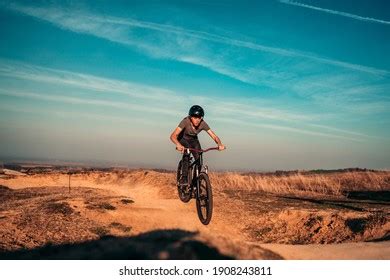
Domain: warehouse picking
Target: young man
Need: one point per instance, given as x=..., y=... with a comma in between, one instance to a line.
x=186, y=136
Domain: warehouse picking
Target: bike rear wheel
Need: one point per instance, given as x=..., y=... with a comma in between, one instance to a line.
x=204, y=199
x=184, y=192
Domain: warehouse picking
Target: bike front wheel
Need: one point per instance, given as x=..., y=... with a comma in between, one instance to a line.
x=204, y=199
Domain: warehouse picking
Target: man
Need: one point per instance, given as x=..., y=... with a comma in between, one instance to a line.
x=186, y=136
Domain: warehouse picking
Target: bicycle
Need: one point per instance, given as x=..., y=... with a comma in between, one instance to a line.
x=199, y=186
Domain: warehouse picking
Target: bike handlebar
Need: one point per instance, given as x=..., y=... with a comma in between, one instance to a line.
x=201, y=151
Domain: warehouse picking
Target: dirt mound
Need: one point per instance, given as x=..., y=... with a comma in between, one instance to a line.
x=33, y=217
x=270, y=218
x=320, y=227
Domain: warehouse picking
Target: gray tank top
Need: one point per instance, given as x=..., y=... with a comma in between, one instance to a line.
x=188, y=131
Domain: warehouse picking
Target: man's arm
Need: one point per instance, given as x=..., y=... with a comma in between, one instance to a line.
x=173, y=138
x=216, y=139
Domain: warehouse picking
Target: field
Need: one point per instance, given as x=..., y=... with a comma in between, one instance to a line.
x=135, y=214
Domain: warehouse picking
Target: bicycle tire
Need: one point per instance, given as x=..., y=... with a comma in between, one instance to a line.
x=204, y=201
x=183, y=196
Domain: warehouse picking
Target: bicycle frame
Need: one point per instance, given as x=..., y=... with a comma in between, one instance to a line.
x=200, y=159
x=194, y=169
x=199, y=164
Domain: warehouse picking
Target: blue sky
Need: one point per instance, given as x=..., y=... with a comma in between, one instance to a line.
x=285, y=84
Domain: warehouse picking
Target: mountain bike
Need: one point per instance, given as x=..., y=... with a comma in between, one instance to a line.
x=199, y=186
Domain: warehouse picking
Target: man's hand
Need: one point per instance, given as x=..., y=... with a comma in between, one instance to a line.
x=221, y=147
x=180, y=148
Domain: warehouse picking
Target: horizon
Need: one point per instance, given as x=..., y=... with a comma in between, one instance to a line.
x=99, y=164
x=286, y=85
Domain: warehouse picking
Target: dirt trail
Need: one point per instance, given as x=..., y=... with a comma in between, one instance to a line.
x=155, y=207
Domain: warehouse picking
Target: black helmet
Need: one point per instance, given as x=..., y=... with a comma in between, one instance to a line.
x=196, y=111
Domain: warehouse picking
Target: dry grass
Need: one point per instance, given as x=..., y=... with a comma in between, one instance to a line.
x=335, y=183
x=134, y=177
x=329, y=184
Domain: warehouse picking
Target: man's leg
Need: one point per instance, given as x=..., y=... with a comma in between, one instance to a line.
x=185, y=163
x=195, y=144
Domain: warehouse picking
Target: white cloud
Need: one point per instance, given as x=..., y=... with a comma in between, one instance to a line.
x=345, y=92
x=143, y=93
x=89, y=101
x=245, y=110
x=285, y=71
x=334, y=12
x=70, y=114
x=84, y=81
x=288, y=129
x=149, y=109
x=121, y=31
x=188, y=46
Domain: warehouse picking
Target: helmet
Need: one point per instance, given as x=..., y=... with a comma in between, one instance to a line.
x=196, y=111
